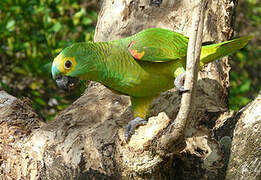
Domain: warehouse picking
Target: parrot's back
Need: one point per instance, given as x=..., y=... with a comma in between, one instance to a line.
x=124, y=74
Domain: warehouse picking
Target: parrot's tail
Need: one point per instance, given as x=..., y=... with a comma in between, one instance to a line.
x=212, y=52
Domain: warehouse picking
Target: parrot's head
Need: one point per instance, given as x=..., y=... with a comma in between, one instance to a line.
x=73, y=62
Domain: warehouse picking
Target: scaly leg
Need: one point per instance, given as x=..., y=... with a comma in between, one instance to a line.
x=140, y=106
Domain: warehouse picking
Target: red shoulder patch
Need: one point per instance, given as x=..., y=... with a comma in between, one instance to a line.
x=134, y=52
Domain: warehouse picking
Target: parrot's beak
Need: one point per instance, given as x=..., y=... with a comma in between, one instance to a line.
x=66, y=82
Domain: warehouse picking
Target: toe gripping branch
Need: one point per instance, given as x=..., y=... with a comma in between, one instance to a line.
x=132, y=125
x=179, y=83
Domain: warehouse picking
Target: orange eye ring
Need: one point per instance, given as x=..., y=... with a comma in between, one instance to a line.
x=68, y=64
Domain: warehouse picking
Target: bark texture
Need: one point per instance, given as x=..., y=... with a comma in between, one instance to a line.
x=86, y=141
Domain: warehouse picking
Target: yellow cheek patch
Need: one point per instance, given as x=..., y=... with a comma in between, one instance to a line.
x=59, y=62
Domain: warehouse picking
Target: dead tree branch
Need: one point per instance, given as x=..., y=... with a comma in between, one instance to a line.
x=176, y=131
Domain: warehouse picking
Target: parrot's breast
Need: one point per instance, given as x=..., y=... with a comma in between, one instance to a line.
x=139, y=78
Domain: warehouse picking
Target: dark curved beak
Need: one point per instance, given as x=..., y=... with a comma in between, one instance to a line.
x=66, y=82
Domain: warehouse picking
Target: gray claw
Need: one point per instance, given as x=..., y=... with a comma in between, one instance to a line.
x=179, y=83
x=132, y=125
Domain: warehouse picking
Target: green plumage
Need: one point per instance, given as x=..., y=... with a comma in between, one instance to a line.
x=141, y=66
x=159, y=45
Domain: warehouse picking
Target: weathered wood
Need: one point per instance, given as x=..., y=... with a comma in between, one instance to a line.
x=175, y=133
x=244, y=145
x=86, y=141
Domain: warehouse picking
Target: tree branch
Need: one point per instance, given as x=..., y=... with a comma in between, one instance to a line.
x=175, y=133
x=82, y=142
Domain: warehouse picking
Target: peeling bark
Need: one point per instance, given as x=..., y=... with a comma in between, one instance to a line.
x=86, y=141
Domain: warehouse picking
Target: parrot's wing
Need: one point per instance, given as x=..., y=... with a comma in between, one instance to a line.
x=158, y=45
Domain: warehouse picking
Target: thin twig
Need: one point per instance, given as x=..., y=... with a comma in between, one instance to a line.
x=175, y=133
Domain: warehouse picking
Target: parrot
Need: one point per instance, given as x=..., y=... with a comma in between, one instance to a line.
x=141, y=66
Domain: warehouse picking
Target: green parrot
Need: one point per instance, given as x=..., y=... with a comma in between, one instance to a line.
x=140, y=66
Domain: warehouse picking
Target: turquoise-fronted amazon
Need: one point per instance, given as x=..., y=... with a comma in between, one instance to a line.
x=140, y=66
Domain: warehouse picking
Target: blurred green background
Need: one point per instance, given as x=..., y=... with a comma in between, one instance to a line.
x=32, y=32
x=245, y=74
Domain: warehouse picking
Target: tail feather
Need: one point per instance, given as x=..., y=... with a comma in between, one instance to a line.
x=213, y=52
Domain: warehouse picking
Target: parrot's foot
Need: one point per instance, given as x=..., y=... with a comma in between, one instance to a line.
x=132, y=125
x=179, y=83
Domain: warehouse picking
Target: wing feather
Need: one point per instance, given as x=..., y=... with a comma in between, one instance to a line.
x=158, y=45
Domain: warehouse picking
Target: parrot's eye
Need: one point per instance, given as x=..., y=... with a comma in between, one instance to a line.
x=68, y=64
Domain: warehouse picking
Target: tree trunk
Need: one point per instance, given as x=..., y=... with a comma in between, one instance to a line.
x=85, y=141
